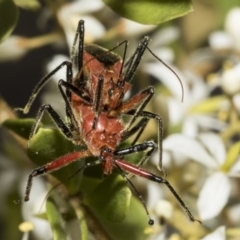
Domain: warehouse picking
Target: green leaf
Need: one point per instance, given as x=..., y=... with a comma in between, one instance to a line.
x=232, y=156
x=110, y=199
x=209, y=105
x=56, y=221
x=8, y=18
x=48, y=145
x=150, y=12
x=28, y=4
x=134, y=225
x=22, y=127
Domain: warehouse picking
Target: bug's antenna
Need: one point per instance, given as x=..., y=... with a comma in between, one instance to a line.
x=160, y=60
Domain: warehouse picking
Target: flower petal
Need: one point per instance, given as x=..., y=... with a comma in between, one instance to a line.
x=214, y=195
x=220, y=40
x=190, y=148
x=215, y=145
x=235, y=170
x=233, y=17
x=218, y=234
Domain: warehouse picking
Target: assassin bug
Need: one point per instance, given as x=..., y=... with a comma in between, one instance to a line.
x=94, y=106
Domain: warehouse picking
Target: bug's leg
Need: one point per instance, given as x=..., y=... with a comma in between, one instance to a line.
x=72, y=123
x=128, y=167
x=77, y=58
x=42, y=82
x=134, y=61
x=56, y=119
x=130, y=150
x=97, y=100
x=159, y=120
x=106, y=152
x=53, y=166
x=125, y=43
x=150, y=221
x=137, y=102
x=138, y=148
x=66, y=129
x=139, y=127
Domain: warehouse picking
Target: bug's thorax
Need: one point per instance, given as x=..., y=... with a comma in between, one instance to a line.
x=107, y=132
x=99, y=62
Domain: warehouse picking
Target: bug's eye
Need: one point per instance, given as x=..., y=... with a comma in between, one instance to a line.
x=110, y=92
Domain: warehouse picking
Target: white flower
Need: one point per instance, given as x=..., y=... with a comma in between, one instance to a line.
x=220, y=40
x=232, y=27
x=12, y=48
x=230, y=80
x=209, y=151
x=218, y=234
x=70, y=14
x=34, y=206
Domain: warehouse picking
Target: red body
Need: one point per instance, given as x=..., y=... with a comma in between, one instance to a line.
x=108, y=129
x=93, y=68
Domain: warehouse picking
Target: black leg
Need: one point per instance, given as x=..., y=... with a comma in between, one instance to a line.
x=77, y=58
x=55, y=165
x=140, y=126
x=132, y=169
x=138, y=148
x=134, y=61
x=43, y=81
x=150, y=222
x=97, y=100
x=150, y=115
x=148, y=94
x=57, y=120
x=80, y=93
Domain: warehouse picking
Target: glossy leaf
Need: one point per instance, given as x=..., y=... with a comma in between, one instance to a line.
x=110, y=199
x=8, y=18
x=135, y=224
x=49, y=144
x=22, y=127
x=83, y=227
x=150, y=12
x=28, y=4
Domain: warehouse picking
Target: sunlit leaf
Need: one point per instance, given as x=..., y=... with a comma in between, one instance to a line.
x=111, y=198
x=22, y=127
x=8, y=18
x=83, y=227
x=210, y=105
x=232, y=156
x=150, y=12
x=134, y=225
x=28, y=4
x=56, y=221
